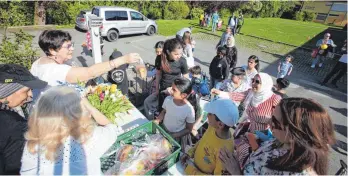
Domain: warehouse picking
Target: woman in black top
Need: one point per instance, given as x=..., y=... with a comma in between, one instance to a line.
x=231, y=52
x=170, y=65
x=279, y=89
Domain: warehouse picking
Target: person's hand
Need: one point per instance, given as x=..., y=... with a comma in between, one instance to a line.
x=157, y=121
x=184, y=158
x=229, y=162
x=169, y=91
x=131, y=58
x=215, y=91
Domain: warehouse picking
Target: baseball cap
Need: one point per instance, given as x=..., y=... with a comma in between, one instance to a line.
x=13, y=73
x=224, y=109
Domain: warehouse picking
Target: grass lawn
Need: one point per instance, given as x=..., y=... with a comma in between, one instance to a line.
x=275, y=29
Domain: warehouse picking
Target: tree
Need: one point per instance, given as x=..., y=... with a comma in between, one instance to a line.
x=40, y=13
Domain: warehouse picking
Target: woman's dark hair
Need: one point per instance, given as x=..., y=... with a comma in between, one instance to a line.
x=184, y=85
x=310, y=131
x=159, y=44
x=53, y=39
x=283, y=83
x=238, y=71
x=196, y=70
x=257, y=61
x=169, y=46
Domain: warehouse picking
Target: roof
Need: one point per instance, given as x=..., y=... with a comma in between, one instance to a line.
x=114, y=7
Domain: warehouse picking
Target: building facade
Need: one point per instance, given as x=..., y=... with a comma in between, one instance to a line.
x=328, y=12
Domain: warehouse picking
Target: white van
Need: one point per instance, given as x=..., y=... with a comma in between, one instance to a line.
x=123, y=21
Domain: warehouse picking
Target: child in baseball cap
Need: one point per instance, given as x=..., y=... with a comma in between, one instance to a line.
x=222, y=115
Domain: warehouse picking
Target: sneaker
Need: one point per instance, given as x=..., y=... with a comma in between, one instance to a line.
x=320, y=65
x=313, y=66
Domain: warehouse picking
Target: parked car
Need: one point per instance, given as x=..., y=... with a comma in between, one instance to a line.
x=119, y=21
x=82, y=20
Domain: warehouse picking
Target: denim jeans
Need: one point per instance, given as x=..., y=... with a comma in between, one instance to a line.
x=319, y=59
x=213, y=27
x=215, y=83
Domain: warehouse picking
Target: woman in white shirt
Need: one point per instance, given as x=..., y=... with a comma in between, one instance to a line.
x=63, y=138
x=187, y=53
x=251, y=69
x=58, y=48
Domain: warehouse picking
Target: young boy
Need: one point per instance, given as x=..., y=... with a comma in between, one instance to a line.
x=222, y=114
x=285, y=67
x=199, y=81
x=219, y=68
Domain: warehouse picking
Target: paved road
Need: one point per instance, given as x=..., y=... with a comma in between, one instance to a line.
x=302, y=84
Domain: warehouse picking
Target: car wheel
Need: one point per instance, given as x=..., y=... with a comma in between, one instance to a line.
x=112, y=35
x=150, y=30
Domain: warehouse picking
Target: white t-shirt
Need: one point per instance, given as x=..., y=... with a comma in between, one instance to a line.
x=74, y=158
x=51, y=73
x=249, y=76
x=188, y=54
x=177, y=116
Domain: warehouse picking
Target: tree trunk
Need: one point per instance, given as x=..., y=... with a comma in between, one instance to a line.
x=40, y=13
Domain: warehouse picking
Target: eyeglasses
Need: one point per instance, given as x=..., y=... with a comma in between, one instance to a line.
x=256, y=81
x=68, y=46
x=276, y=124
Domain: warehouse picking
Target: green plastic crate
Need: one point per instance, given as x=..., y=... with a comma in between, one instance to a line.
x=149, y=128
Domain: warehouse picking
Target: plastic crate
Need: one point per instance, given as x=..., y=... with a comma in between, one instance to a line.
x=149, y=128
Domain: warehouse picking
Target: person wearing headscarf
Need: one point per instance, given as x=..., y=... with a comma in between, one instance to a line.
x=16, y=84
x=259, y=102
x=231, y=52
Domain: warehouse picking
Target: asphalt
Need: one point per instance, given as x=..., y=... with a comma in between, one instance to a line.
x=302, y=83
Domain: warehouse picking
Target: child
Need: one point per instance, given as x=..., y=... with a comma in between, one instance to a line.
x=219, y=68
x=187, y=52
x=285, y=67
x=222, y=114
x=178, y=114
x=219, y=24
x=118, y=75
x=199, y=81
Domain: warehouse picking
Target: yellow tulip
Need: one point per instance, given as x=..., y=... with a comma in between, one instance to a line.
x=113, y=88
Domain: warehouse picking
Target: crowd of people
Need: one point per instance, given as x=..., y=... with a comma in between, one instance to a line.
x=62, y=133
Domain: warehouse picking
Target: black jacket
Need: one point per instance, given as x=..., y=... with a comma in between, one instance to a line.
x=219, y=68
x=12, y=129
x=231, y=56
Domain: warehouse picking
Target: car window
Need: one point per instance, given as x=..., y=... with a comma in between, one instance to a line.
x=81, y=14
x=116, y=15
x=95, y=12
x=136, y=16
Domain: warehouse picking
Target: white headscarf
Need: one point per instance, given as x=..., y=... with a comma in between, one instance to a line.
x=231, y=43
x=256, y=98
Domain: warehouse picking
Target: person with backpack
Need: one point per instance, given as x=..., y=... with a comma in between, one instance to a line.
x=219, y=68
x=199, y=81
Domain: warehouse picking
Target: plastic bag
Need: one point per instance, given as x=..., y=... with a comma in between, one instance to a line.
x=142, y=155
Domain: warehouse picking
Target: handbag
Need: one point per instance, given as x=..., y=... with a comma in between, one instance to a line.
x=315, y=52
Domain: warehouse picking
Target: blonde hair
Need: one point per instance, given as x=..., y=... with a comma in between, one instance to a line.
x=57, y=114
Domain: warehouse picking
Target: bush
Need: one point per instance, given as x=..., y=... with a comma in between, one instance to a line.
x=309, y=16
x=225, y=13
x=176, y=10
x=18, y=50
x=299, y=16
x=196, y=12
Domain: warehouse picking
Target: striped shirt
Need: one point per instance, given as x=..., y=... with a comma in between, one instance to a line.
x=259, y=116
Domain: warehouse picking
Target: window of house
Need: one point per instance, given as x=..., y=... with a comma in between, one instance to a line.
x=321, y=16
x=339, y=7
x=116, y=15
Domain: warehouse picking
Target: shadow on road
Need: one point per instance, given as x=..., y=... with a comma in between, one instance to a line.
x=341, y=129
x=202, y=62
x=342, y=111
x=82, y=60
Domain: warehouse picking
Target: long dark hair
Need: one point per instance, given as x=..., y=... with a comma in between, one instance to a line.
x=184, y=86
x=310, y=130
x=169, y=46
x=257, y=61
x=159, y=44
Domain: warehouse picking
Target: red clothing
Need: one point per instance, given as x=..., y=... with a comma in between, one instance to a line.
x=89, y=40
x=260, y=118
